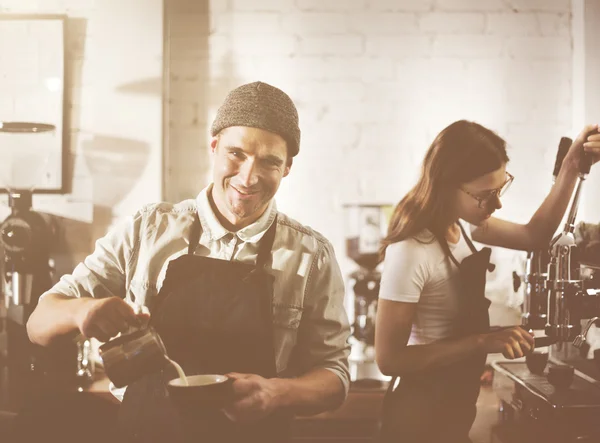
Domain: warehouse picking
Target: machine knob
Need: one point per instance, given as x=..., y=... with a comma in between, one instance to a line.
x=15, y=235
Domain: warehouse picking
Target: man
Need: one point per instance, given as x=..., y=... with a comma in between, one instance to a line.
x=248, y=291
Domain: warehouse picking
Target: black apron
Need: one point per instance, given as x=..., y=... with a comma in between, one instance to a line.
x=438, y=405
x=214, y=317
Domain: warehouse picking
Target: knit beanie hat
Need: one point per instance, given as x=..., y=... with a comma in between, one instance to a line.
x=260, y=105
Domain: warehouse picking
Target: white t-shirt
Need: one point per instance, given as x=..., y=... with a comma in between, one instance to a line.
x=416, y=270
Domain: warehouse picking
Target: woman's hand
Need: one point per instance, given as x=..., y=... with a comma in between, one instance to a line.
x=592, y=145
x=587, y=141
x=512, y=342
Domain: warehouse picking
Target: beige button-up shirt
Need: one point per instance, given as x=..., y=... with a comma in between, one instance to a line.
x=310, y=324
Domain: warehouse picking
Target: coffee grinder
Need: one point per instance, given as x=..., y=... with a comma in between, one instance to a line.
x=26, y=239
x=366, y=225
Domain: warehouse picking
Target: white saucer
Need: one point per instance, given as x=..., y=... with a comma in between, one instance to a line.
x=118, y=393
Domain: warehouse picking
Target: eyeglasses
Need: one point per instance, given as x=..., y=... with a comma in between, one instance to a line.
x=484, y=197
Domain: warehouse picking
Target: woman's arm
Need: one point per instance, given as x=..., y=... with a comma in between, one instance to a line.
x=394, y=357
x=538, y=232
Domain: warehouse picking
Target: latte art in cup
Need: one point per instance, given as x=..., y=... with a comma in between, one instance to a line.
x=199, y=380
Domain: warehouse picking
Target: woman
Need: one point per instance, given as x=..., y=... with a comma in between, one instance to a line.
x=432, y=327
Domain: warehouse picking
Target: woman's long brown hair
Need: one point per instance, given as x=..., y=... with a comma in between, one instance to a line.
x=459, y=154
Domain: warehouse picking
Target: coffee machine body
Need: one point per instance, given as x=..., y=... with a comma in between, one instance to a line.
x=26, y=239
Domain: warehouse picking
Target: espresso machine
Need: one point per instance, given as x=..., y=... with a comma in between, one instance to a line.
x=559, y=399
x=533, y=313
x=366, y=225
x=26, y=240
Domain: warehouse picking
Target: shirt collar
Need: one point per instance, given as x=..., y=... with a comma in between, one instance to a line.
x=211, y=225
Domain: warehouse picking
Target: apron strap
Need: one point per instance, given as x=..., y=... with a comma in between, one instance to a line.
x=266, y=245
x=194, y=234
x=469, y=243
x=472, y=247
x=454, y=260
x=467, y=239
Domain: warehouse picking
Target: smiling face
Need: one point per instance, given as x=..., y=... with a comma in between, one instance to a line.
x=249, y=164
x=477, y=200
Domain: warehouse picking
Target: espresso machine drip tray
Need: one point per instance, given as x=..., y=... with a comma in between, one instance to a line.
x=581, y=394
x=532, y=409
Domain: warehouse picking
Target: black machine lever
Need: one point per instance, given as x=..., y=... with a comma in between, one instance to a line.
x=563, y=147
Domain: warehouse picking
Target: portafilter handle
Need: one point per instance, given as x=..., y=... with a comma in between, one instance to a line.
x=542, y=341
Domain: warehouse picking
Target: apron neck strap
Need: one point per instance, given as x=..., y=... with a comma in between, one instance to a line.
x=467, y=239
x=453, y=259
x=194, y=235
x=266, y=245
x=469, y=243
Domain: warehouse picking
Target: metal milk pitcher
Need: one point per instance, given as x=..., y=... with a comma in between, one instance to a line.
x=133, y=355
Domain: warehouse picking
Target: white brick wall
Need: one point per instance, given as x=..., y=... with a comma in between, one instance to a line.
x=541, y=5
x=471, y=5
x=400, y=5
x=375, y=80
x=389, y=23
x=452, y=23
x=255, y=5
x=307, y=23
x=335, y=45
x=331, y=5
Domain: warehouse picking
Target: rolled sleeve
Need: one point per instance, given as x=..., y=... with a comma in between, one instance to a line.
x=324, y=329
x=104, y=272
